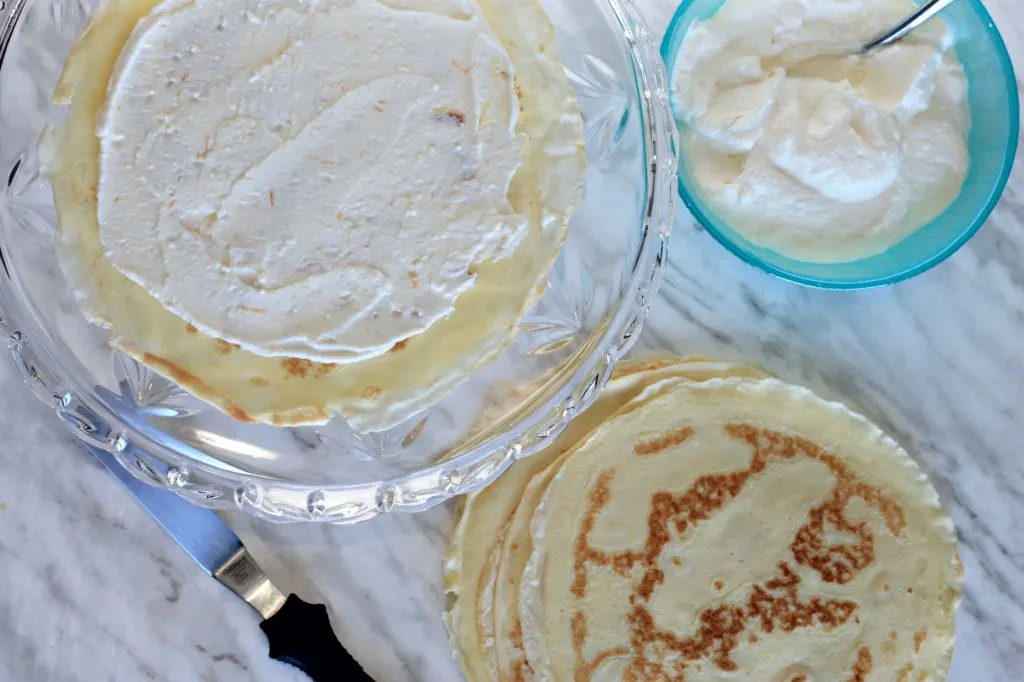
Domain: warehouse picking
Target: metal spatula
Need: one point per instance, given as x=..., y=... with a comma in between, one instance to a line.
x=299, y=633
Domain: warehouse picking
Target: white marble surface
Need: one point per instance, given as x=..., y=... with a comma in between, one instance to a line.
x=90, y=589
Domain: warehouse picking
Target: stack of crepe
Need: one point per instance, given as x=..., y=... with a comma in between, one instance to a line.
x=703, y=521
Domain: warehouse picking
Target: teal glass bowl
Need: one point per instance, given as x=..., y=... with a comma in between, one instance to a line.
x=992, y=143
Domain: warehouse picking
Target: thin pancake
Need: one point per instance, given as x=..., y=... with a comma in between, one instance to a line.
x=739, y=529
x=472, y=564
x=511, y=656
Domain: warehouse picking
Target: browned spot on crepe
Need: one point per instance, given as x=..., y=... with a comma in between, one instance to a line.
x=862, y=667
x=259, y=381
x=663, y=442
x=772, y=604
x=583, y=554
x=186, y=378
x=191, y=329
x=238, y=413
x=919, y=638
x=297, y=367
x=411, y=437
x=224, y=347
x=399, y=346
x=451, y=117
x=306, y=415
x=301, y=368
x=371, y=392
x=521, y=669
x=903, y=674
x=585, y=668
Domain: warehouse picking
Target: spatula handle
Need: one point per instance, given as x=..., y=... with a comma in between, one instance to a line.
x=300, y=634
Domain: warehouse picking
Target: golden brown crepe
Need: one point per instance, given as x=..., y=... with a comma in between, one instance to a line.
x=739, y=529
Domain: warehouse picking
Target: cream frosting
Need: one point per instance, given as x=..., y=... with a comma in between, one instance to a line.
x=312, y=191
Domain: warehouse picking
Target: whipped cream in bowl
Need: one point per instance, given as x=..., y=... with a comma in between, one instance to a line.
x=832, y=169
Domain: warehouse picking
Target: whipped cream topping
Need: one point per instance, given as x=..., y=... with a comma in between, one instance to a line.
x=812, y=152
x=308, y=178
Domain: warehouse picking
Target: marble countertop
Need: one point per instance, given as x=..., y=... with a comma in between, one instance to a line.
x=91, y=590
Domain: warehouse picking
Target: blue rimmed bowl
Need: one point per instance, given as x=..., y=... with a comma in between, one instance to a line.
x=992, y=142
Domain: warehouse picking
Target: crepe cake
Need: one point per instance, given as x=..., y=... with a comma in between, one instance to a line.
x=491, y=542
x=738, y=529
x=208, y=146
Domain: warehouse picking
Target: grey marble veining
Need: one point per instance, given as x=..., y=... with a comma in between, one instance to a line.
x=90, y=589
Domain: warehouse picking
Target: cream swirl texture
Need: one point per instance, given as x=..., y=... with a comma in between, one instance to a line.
x=309, y=179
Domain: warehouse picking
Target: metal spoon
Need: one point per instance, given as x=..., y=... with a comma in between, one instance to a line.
x=919, y=16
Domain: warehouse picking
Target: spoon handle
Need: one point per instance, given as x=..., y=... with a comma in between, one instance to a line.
x=919, y=16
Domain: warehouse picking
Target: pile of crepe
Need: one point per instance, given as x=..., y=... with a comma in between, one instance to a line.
x=702, y=521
